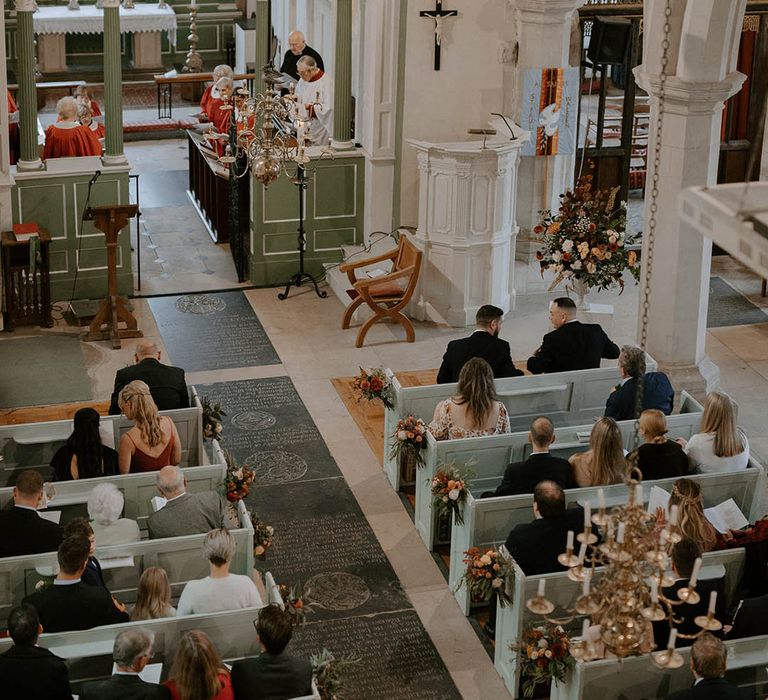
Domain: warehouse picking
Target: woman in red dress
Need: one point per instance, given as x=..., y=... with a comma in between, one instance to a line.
x=198, y=673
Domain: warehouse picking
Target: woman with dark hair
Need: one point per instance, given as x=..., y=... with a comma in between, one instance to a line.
x=198, y=673
x=475, y=412
x=83, y=456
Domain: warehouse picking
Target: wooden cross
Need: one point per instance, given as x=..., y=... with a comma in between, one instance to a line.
x=437, y=15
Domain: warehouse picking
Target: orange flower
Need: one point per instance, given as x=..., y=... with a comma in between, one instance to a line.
x=364, y=384
x=376, y=384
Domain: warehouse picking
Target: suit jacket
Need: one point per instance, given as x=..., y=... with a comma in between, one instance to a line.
x=289, y=61
x=480, y=344
x=166, y=384
x=34, y=673
x=189, y=514
x=522, y=477
x=93, y=576
x=123, y=687
x=25, y=532
x=688, y=613
x=711, y=689
x=76, y=606
x=574, y=345
x=657, y=393
x=751, y=618
x=535, y=546
x=271, y=677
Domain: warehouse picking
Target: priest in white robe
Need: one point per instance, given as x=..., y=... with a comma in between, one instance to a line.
x=314, y=95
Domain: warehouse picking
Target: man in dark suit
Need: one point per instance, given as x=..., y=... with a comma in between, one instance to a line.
x=69, y=604
x=485, y=343
x=572, y=345
x=166, y=384
x=184, y=513
x=708, y=664
x=297, y=47
x=751, y=618
x=522, y=477
x=93, y=575
x=131, y=653
x=26, y=670
x=657, y=390
x=535, y=546
x=22, y=530
x=273, y=674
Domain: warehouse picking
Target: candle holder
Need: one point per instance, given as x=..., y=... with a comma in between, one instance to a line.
x=194, y=61
x=587, y=537
x=708, y=622
x=568, y=558
x=540, y=605
x=587, y=605
x=669, y=658
x=689, y=595
x=654, y=612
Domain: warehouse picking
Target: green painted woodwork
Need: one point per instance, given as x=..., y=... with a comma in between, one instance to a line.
x=334, y=217
x=57, y=203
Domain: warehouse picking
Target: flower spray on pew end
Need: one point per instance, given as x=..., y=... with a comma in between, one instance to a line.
x=410, y=437
x=212, y=415
x=587, y=239
x=487, y=571
x=238, y=479
x=262, y=535
x=374, y=384
x=545, y=655
x=294, y=603
x=450, y=486
x=328, y=672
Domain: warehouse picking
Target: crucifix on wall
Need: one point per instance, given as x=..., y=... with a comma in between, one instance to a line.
x=437, y=15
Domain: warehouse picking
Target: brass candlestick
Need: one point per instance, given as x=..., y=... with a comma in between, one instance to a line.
x=194, y=61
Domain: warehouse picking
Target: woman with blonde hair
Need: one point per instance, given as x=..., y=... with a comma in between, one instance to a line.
x=153, y=442
x=719, y=446
x=686, y=495
x=475, y=412
x=658, y=457
x=153, y=599
x=604, y=462
x=198, y=673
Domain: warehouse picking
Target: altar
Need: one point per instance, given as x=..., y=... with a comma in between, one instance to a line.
x=145, y=22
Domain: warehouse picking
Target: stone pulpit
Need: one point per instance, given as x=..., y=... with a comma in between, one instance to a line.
x=467, y=227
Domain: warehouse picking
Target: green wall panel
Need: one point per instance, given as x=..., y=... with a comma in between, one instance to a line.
x=334, y=192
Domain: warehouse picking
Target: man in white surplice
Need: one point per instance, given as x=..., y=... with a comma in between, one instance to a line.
x=314, y=94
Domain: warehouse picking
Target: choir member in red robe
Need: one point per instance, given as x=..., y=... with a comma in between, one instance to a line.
x=85, y=117
x=217, y=112
x=211, y=92
x=84, y=94
x=13, y=128
x=67, y=138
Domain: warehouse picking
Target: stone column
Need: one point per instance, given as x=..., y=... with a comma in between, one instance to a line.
x=27, y=93
x=342, y=80
x=113, y=85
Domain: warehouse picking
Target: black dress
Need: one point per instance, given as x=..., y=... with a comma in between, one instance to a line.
x=62, y=463
x=662, y=460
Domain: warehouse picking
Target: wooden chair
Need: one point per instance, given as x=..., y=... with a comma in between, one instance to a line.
x=388, y=294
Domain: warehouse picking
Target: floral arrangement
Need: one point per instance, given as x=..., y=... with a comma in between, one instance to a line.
x=449, y=490
x=294, y=604
x=374, y=384
x=238, y=479
x=487, y=571
x=410, y=437
x=544, y=656
x=212, y=415
x=586, y=239
x=262, y=535
x=328, y=672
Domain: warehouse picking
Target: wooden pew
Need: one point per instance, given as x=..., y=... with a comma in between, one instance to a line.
x=568, y=398
x=494, y=453
x=181, y=557
x=488, y=521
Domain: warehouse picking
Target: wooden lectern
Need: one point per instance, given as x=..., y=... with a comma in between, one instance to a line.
x=111, y=219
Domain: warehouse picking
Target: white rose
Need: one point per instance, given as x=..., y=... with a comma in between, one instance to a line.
x=556, y=256
x=591, y=268
x=608, y=256
x=445, y=499
x=402, y=435
x=485, y=559
x=542, y=643
x=551, y=266
x=612, y=239
x=567, y=246
x=218, y=427
x=534, y=655
x=497, y=582
x=548, y=654
x=453, y=494
x=576, y=264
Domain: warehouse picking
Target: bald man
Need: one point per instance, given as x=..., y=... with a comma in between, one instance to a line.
x=167, y=384
x=297, y=48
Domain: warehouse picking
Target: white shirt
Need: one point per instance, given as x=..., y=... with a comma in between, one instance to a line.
x=321, y=127
x=208, y=595
x=701, y=453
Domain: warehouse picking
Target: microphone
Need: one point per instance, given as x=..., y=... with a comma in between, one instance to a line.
x=95, y=177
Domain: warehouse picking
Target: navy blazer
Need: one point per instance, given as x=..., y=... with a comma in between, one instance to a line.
x=712, y=689
x=657, y=393
x=492, y=349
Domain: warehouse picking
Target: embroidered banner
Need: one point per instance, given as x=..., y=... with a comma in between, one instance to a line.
x=550, y=101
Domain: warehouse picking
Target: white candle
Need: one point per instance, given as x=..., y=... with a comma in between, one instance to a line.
x=712, y=601
x=569, y=541
x=601, y=499
x=620, y=534
x=672, y=639
x=639, y=495
x=654, y=591
x=194, y=2
x=673, y=515
x=542, y=584
x=584, y=628
x=695, y=573
x=587, y=516
x=585, y=584
x=582, y=552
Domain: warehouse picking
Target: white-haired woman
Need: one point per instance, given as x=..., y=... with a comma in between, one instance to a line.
x=105, y=506
x=220, y=590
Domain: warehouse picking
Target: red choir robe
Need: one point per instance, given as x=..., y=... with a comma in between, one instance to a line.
x=205, y=99
x=13, y=129
x=70, y=140
x=95, y=111
x=98, y=129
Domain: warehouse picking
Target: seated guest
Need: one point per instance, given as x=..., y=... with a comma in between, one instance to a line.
x=720, y=445
x=572, y=345
x=153, y=597
x=221, y=590
x=131, y=653
x=84, y=95
x=475, y=411
x=167, y=384
x=686, y=495
x=67, y=138
x=105, y=505
x=69, y=604
x=212, y=92
x=184, y=513
x=198, y=673
x=84, y=456
x=485, y=343
x=297, y=47
x=314, y=98
x=708, y=657
x=23, y=530
x=80, y=527
x=153, y=442
x=27, y=670
x=273, y=674
x=535, y=546
x=658, y=457
x=522, y=477
x=684, y=556
x=750, y=618
x=657, y=391
x=604, y=462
